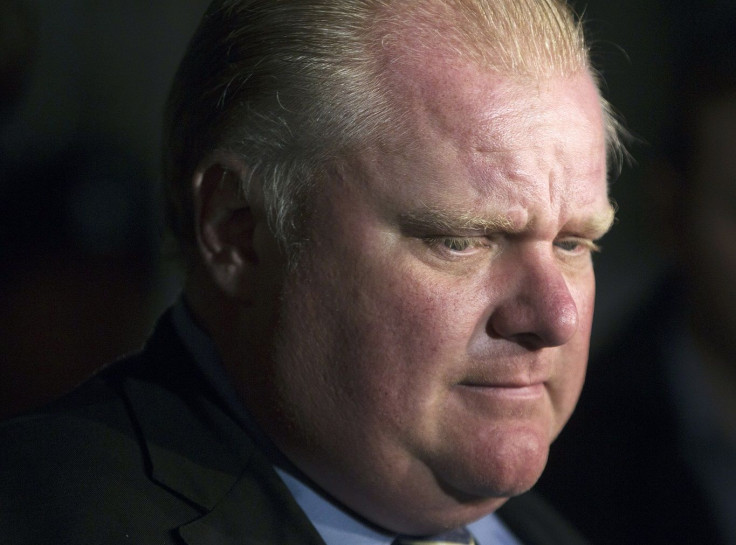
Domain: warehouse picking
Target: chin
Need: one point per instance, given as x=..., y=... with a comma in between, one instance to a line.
x=501, y=466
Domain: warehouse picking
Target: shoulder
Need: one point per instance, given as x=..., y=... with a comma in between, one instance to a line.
x=81, y=418
x=90, y=416
x=79, y=468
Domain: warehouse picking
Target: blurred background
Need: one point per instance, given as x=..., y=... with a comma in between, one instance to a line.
x=82, y=279
x=82, y=87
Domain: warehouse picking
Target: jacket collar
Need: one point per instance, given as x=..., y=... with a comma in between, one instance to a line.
x=198, y=452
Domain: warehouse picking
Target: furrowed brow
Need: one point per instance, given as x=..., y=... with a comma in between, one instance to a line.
x=442, y=221
x=601, y=223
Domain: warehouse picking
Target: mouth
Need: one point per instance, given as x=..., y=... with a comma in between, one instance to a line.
x=511, y=390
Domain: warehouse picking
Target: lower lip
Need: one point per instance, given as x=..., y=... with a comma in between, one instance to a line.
x=533, y=391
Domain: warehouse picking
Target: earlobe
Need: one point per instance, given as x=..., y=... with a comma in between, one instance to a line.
x=225, y=224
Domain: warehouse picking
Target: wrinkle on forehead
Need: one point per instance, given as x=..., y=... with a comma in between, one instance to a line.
x=514, y=129
x=433, y=219
x=523, y=147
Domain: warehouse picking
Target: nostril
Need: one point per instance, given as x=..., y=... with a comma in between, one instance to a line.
x=530, y=341
x=548, y=317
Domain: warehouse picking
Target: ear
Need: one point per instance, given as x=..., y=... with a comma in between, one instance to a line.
x=225, y=224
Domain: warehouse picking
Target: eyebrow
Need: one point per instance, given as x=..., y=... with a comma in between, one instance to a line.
x=599, y=224
x=427, y=220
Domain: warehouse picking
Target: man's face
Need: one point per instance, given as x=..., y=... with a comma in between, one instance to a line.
x=434, y=337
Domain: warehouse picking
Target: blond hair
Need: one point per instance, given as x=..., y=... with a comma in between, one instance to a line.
x=289, y=85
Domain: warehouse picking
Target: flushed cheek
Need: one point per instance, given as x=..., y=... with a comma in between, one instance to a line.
x=415, y=334
x=432, y=327
x=411, y=340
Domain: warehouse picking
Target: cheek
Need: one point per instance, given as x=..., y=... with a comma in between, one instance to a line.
x=408, y=329
x=584, y=295
x=408, y=336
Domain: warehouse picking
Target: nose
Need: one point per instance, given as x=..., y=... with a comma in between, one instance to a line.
x=539, y=310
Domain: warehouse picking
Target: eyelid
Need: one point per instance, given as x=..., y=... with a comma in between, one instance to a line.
x=474, y=242
x=590, y=244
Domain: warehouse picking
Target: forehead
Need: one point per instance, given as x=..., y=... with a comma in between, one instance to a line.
x=501, y=133
x=442, y=91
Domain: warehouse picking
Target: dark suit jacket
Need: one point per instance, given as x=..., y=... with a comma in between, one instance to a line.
x=617, y=471
x=146, y=453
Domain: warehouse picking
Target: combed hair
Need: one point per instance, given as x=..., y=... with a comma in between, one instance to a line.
x=289, y=85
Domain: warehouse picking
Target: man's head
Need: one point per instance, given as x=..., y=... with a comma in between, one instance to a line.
x=290, y=86
x=441, y=168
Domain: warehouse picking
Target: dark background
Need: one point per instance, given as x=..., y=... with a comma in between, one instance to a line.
x=82, y=87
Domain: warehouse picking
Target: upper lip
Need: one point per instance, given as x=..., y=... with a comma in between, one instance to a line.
x=512, y=383
x=518, y=379
x=507, y=372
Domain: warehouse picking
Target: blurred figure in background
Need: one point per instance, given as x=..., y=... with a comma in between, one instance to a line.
x=650, y=454
x=77, y=268
x=76, y=259
x=18, y=43
x=82, y=87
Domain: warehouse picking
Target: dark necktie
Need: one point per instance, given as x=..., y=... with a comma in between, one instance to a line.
x=460, y=536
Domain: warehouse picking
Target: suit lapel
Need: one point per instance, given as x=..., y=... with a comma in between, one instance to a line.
x=184, y=454
x=199, y=453
x=258, y=509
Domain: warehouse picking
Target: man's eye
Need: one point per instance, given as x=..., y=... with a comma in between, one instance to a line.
x=456, y=244
x=576, y=245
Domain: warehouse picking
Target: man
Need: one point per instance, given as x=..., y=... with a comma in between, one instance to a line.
x=656, y=425
x=388, y=211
